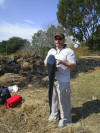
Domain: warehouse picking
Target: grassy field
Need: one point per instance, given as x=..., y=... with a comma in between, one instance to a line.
x=32, y=115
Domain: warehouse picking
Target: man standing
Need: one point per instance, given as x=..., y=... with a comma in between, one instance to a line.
x=65, y=59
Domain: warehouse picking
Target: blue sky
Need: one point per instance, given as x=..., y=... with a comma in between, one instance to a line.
x=23, y=18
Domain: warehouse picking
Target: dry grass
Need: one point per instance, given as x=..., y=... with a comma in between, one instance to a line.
x=32, y=115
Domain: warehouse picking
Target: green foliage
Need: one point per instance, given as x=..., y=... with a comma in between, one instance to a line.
x=81, y=18
x=50, y=34
x=12, y=45
x=97, y=39
x=3, y=45
x=38, y=39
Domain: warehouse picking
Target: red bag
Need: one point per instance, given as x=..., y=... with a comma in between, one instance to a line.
x=13, y=101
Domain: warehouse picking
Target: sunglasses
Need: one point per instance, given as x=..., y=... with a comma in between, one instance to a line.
x=59, y=38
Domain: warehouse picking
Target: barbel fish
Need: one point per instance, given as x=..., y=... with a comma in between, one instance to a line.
x=51, y=65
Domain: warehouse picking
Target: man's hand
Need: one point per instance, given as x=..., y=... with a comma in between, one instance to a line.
x=66, y=63
x=59, y=62
x=45, y=63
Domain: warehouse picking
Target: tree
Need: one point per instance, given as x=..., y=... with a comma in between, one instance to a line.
x=38, y=41
x=46, y=37
x=43, y=40
x=12, y=45
x=96, y=38
x=79, y=17
x=3, y=47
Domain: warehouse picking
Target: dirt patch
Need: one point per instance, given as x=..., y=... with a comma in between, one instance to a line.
x=11, y=79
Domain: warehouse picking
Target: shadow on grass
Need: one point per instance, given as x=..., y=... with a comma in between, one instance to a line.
x=87, y=109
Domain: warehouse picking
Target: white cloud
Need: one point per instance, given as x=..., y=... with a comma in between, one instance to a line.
x=2, y=3
x=29, y=21
x=8, y=30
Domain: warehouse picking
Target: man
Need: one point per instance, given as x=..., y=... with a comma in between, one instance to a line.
x=65, y=59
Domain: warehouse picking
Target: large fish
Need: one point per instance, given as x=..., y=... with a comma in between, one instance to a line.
x=51, y=65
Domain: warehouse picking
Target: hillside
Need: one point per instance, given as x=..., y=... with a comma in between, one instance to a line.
x=32, y=115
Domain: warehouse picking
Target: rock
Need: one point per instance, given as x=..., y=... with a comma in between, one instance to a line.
x=29, y=85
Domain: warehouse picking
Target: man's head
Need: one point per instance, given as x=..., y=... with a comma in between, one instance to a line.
x=60, y=36
x=59, y=39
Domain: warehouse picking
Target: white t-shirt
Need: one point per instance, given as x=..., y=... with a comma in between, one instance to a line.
x=65, y=54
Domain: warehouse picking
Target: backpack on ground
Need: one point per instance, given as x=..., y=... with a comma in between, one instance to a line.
x=4, y=94
x=13, y=101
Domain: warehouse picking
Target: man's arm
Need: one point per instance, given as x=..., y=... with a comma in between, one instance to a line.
x=67, y=63
x=45, y=63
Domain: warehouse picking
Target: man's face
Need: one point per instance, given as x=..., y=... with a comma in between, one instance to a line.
x=59, y=41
